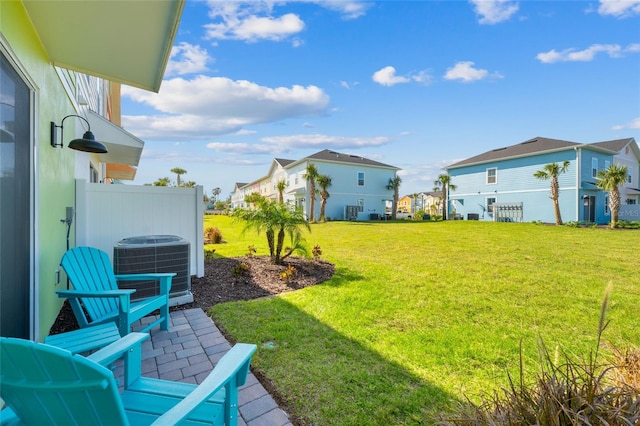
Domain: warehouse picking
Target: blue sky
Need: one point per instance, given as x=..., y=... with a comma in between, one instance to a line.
x=415, y=84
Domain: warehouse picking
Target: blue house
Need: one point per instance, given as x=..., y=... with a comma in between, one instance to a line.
x=499, y=185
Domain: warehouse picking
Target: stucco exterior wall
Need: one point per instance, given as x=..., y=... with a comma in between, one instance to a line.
x=53, y=174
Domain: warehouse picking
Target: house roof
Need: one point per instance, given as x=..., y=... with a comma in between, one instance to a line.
x=531, y=146
x=328, y=155
x=614, y=145
x=124, y=41
x=283, y=162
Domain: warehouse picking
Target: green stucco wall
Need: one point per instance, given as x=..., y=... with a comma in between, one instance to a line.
x=54, y=167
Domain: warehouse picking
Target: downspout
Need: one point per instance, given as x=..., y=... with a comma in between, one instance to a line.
x=578, y=174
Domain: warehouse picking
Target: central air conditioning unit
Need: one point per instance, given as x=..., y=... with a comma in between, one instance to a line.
x=153, y=254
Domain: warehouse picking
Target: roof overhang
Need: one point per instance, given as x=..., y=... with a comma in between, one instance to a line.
x=633, y=191
x=122, y=146
x=120, y=171
x=124, y=41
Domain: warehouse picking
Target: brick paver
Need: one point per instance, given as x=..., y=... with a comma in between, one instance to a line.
x=187, y=353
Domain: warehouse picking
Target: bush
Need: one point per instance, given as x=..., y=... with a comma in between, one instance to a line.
x=212, y=235
x=240, y=269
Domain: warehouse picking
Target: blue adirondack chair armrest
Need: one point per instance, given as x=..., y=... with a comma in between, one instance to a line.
x=115, y=350
x=233, y=366
x=105, y=293
x=163, y=278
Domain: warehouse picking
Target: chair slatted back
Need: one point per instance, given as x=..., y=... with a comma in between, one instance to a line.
x=89, y=269
x=47, y=385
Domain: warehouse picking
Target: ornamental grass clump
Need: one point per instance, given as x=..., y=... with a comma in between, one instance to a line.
x=569, y=392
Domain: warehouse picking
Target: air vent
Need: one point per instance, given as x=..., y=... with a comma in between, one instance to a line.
x=153, y=254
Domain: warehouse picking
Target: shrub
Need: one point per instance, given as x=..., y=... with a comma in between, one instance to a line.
x=209, y=254
x=240, y=269
x=316, y=252
x=251, y=250
x=289, y=274
x=212, y=235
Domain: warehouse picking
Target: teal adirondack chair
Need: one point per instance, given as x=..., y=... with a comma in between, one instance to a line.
x=46, y=385
x=96, y=292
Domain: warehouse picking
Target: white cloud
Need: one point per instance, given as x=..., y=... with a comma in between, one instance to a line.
x=253, y=28
x=619, y=8
x=467, y=73
x=494, y=11
x=348, y=9
x=633, y=124
x=282, y=144
x=256, y=20
x=586, y=55
x=206, y=106
x=325, y=141
x=187, y=59
x=387, y=77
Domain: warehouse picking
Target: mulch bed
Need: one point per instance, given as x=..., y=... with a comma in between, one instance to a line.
x=221, y=284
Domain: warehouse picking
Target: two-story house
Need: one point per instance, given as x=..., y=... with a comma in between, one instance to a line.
x=500, y=184
x=358, y=190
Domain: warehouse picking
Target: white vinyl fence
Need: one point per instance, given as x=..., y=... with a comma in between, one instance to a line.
x=629, y=212
x=106, y=214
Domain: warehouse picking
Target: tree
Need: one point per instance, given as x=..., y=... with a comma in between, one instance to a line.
x=276, y=220
x=281, y=186
x=162, y=182
x=189, y=184
x=310, y=175
x=609, y=180
x=444, y=184
x=324, y=182
x=178, y=171
x=552, y=171
x=214, y=194
x=415, y=202
x=394, y=183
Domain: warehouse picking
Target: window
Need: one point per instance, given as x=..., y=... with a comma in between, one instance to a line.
x=606, y=206
x=629, y=177
x=360, y=204
x=594, y=167
x=630, y=201
x=490, y=201
x=492, y=176
x=360, y=178
x=607, y=163
x=93, y=174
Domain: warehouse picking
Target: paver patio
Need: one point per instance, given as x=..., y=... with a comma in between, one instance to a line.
x=189, y=350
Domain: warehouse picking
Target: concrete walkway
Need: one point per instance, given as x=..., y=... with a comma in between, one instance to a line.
x=189, y=350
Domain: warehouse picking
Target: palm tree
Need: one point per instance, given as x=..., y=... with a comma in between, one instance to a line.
x=281, y=186
x=324, y=182
x=162, y=182
x=394, y=183
x=310, y=175
x=415, y=202
x=444, y=182
x=178, y=171
x=215, y=192
x=609, y=180
x=552, y=171
x=276, y=220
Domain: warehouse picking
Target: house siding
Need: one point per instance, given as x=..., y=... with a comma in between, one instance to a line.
x=53, y=175
x=344, y=191
x=515, y=184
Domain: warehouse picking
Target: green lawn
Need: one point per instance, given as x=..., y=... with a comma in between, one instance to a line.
x=420, y=314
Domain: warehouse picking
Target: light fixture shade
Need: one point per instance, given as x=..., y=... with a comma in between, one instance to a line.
x=88, y=143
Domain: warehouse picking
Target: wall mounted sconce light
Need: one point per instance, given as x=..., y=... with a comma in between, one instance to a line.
x=87, y=143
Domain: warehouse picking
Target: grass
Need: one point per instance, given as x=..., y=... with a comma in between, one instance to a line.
x=421, y=315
